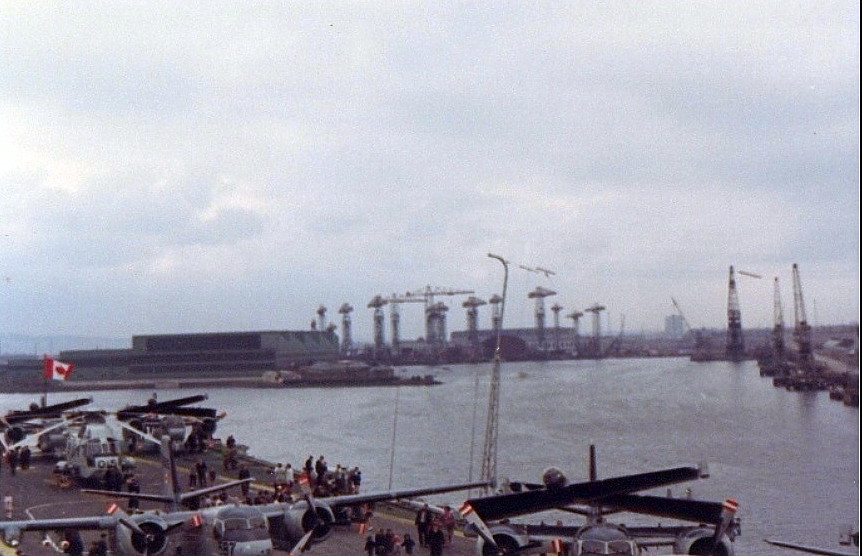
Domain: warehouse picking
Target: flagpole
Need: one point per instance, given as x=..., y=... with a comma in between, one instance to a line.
x=44, y=381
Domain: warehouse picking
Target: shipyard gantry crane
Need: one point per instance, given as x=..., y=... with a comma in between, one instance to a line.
x=395, y=302
x=472, y=305
x=346, y=328
x=801, y=329
x=377, y=303
x=539, y=294
x=556, y=308
x=576, y=335
x=735, y=347
x=779, y=354
x=321, y=318
x=596, y=347
x=435, y=313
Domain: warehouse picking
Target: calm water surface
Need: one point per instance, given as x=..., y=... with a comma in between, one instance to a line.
x=790, y=459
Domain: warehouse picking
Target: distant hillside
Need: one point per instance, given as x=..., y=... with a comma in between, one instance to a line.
x=27, y=344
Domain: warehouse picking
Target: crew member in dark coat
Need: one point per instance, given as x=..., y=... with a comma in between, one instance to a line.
x=435, y=539
x=423, y=520
x=244, y=473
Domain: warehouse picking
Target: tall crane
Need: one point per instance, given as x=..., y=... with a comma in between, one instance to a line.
x=321, y=318
x=576, y=317
x=735, y=347
x=377, y=303
x=395, y=302
x=778, y=350
x=472, y=305
x=433, y=314
x=702, y=347
x=596, y=347
x=346, y=328
x=435, y=324
x=539, y=294
x=556, y=308
x=801, y=329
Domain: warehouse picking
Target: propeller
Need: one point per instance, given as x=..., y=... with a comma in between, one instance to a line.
x=728, y=511
x=300, y=546
x=468, y=513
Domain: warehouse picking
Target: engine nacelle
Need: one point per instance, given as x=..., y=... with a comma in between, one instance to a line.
x=699, y=541
x=153, y=543
x=510, y=539
x=300, y=519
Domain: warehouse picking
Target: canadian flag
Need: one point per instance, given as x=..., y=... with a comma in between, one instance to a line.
x=57, y=370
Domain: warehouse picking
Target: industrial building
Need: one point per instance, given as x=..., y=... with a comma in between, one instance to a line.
x=190, y=355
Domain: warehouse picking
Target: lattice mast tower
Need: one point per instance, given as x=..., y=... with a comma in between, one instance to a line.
x=801, y=328
x=778, y=348
x=489, y=450
x=735, y=347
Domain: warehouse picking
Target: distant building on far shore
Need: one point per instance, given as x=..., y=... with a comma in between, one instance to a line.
x=219, y=354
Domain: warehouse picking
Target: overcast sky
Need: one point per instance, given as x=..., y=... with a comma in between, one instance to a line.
x=172, y=167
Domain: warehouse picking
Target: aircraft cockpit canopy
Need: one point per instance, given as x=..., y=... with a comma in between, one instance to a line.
x=241, y=525
x=605, y=539
x=595, y=548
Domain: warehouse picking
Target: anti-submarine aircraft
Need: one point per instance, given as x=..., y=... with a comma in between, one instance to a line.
x=235, y=529
x=28, y=427
x=594, y=499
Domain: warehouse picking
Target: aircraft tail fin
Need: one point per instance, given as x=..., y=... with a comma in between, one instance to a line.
x=173, y=489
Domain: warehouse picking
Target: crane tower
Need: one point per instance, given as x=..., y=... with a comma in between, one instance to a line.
x=556, y=308
x=778, y=350
x=472, y=305
x=321, y=318
x=735, y=348
x=377, y=303
x=435, y=314
x=596, y=347
x=346, y=327
x=395, y=302
x=539, y=294
x=801, y=329
x=576, y=336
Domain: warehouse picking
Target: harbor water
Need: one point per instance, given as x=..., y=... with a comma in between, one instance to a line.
x=790, y=459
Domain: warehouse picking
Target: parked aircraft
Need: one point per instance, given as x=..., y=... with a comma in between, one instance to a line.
x=595, y=499
x=172, y=418
x=27, y=427
x=235, y=529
